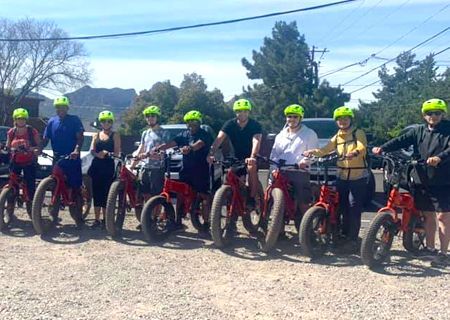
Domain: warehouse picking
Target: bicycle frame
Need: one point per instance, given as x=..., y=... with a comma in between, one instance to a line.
x=185, y=191
x=237, y=200
x=61, y=187
x=16, y=183
x=282, y=183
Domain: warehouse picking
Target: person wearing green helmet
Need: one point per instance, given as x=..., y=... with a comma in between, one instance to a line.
x=151, y=176
x=194, y=143
x=24, y=143
x=245, y=135
x=102, y=169
x=289, y=145
x=431, y=143
x=350, y=144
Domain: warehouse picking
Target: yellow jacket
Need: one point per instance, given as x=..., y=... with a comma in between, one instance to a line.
x=343, y=143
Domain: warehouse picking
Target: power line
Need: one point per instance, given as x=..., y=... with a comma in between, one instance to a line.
x=390, y=60
x=363, y=62
x=195, y=26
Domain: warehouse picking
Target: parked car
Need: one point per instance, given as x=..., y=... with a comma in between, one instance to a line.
x=176, y=160
x=45, y=164
x=387, y=166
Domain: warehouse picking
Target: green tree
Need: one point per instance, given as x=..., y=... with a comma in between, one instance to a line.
x=162, y=94
x=288, y=76
x=401, y=95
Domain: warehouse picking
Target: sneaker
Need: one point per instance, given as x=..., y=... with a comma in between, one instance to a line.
x=251, y=204
x=428, y=252
x=97, y=224
x=139, y=227
x=349, y=247
x=441, y=260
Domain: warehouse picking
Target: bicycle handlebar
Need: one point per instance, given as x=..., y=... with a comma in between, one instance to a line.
x=279, y=164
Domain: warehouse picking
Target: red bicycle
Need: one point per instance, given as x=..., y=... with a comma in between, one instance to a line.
x=230, y=203
x=53, y=194
x=387, y=224
x=14, y=192
x=279, y=204
x=320, y=224
x=158, y=215
x=123, y=196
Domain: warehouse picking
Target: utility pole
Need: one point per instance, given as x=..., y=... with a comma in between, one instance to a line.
x=315, y=70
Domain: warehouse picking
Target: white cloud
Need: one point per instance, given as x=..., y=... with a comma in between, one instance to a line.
x=229, y=77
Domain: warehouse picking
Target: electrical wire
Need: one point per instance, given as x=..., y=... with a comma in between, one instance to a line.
x=195, y=26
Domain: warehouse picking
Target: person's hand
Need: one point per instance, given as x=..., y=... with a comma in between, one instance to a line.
x=36, y=151
x=186, y=149
x=351, y=155
x=303, y=165
x=210, y=159
x=75, y=154
x=309, y=153
x=433, y=161
x=102, y=154
x=377, y=150
x=250, y=161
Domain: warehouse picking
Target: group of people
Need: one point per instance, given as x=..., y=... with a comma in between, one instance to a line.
x=295, y=144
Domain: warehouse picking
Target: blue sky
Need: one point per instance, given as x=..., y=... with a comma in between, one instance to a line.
x=350, y=32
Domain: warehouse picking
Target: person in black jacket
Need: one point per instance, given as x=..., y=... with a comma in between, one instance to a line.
x=431, y=142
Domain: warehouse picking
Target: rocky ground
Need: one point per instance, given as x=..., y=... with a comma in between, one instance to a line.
x=84, y=274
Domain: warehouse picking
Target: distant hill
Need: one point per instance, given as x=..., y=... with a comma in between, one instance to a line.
x=88, y=102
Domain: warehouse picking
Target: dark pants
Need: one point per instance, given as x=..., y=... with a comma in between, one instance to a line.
x=351, y=200
x=29, y=175
x=72, y=170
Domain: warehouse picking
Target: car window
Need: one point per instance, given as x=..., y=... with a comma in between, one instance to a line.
x=324, y=129
x=173, y=132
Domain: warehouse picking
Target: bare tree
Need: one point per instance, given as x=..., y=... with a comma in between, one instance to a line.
x=31, y=65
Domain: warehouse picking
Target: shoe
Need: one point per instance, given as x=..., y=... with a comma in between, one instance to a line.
x=97, y=224
x=103, y=225
x=251, y=204
x=56, y=220
x=441, y=260
x=349, y=247
x=139, y=227
x=427, y=252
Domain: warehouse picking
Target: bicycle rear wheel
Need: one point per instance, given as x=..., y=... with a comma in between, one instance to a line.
x=252, y=218
x=200, y=214
x=414, y=237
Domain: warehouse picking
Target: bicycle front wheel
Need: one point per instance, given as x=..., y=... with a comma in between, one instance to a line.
x=115, y=209
x=44, y=211
x=313, y=235
x=158, y=219
x=7, y=204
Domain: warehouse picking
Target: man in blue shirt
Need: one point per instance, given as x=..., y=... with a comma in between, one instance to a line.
x=65, y=133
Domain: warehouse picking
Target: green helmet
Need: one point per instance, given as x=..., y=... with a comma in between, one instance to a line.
x=61, y=102
x=105, y=115
x=294, y=109
x=20, y=113
x=434, y=104
x=242, y=105
x=193, y=115
x=343, y=112
x=151, y=110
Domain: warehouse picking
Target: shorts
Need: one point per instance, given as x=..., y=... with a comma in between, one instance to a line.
x=432, y=198
x=300, y=181
x=72, y=171
x=151, y=181
x=197, y=179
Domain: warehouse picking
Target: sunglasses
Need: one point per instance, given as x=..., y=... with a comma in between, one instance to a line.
x=106, y=121
x=20, y=119
x=151, y=116
x=433, y=113
x=292, y=117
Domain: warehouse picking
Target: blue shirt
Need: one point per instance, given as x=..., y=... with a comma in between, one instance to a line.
x=62, y=133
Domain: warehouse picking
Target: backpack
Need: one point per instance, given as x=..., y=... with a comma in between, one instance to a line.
x=21, y=157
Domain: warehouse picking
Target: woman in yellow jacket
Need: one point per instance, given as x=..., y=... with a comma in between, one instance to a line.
x=350, y=144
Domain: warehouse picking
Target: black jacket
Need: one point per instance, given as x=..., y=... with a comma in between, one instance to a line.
x=428, y=143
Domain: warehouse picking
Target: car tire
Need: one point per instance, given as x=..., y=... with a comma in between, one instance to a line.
x=370, y=189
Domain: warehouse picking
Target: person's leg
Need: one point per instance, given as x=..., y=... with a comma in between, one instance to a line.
x=430, y=229
x=252, y=171
x=356, y=201
x=29, y=174
x=444, y=230
x=344, y=191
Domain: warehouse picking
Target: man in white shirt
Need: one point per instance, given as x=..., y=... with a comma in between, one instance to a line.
x=289, y=145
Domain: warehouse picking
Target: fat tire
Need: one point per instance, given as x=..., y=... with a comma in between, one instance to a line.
x=310, y=247
x=247, y=220
x=274, y=220
x=221, y=237
x=149, y=224
x=381, y=220
x=5, y=207
x=115, y=209
x=40, y=226
x=413, y=241
x=86, y=191
x=197, y=219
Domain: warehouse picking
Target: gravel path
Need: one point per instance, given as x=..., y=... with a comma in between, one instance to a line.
x=86, y=275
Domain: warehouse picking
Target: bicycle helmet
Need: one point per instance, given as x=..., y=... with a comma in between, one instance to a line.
x=295, y=109
x=343, y=112
x=151, y=110
x=242, y=105
x=434, y=105
x=20, y=113
x=193, y=115
x=61, y=102
x=106, y=115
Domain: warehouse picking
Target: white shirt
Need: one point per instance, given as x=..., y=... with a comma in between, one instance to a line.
x=290, y=146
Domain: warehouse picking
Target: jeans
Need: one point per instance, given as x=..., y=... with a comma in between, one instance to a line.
x=351, y=201
x=29, y=176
